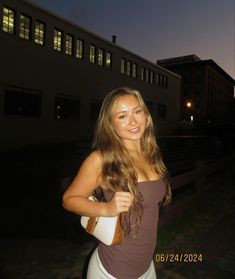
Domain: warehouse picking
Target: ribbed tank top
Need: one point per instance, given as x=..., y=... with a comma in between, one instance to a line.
x=132, y=258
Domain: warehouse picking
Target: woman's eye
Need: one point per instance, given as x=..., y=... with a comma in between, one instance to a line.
x=121, y=116
x=138, y=111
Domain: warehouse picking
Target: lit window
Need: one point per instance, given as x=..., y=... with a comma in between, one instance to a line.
x=108, y=60
x=69, y=44
x=123, y=65
x=79, y=49
x=142, y=73
x=92, y=54
x=67, y=107
x=25, y=23
x=8, y=21
x=134, y=70
x=100, y=57
x=39, y=33
x=128, y=68
x=57, y=40
x=22, y=101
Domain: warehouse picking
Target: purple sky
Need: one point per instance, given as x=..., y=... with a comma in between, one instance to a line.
x=158, y=29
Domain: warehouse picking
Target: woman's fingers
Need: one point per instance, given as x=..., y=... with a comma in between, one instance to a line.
x=123, y=201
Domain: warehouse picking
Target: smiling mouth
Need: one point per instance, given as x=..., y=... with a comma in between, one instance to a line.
x=134, y=130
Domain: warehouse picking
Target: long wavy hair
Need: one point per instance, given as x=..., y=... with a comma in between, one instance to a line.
x=118, y=172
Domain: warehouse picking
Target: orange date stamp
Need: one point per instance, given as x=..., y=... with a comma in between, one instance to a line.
x=179, y=257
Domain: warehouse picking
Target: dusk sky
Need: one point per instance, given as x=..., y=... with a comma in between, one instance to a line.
x=158, y=29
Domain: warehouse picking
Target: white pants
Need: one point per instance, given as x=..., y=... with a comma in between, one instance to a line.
x=97, y=271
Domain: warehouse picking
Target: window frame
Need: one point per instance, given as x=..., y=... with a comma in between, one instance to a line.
x=72, y=117
x=79, y=48
x=108, y=65
x=100, y=62
x=10, y=28
x=24, y=32
x=92, y=54
x=123, y=66
x=41, y=33
x=69, y=43
x=58, y=42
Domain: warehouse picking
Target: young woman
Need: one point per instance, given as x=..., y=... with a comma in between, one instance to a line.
x=127, y=164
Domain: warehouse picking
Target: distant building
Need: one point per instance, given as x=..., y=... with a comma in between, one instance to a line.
x=207, y=90
x=54, y=76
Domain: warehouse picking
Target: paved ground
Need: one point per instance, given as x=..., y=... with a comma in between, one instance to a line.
x=57, y=259
x=54, y=258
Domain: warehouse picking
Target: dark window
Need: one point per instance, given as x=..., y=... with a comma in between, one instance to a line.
x=128, y=68
x=149, y=105
x=166, y=82
x=147, y=75
x=95, y=106
x=39, y=33
x=134, y=70
x=142, y=73
x=8, y=20
x=152, y=77
x=161, y=111
x=123, y=65
x=67, y=107
x=22, y=101
x=25, y=27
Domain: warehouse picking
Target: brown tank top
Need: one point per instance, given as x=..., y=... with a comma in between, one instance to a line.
x=132, y=258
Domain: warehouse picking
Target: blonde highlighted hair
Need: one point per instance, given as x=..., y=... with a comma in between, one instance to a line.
x=118, y=172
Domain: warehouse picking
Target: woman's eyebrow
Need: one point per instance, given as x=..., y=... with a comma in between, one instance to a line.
x=123, y=111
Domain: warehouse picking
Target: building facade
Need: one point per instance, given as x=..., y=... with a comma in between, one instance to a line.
x=207, y=90
x=54, y=76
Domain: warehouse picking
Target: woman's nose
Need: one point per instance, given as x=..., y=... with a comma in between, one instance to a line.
x=132, y=120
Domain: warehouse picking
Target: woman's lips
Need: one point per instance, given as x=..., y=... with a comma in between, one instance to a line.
x=134, y=130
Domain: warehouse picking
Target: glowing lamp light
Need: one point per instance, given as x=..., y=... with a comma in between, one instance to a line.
x=188, y=104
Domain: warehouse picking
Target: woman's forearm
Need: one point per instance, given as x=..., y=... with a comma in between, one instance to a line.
x=84, y=206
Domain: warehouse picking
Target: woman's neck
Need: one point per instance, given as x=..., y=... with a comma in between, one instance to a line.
x=133, y=147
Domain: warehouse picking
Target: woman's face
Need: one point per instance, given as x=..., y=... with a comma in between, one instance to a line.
x=128, y=118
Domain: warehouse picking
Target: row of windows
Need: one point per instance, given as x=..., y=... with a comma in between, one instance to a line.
x=154, y=78
x=27, y=102
x=98, y=56
x=128, y=68
x=25, y=32
x=70, y=45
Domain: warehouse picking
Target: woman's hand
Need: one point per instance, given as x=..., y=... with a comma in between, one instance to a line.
x=120, y=202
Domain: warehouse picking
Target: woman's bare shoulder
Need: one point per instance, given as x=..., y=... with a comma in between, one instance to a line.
x=94, y=159
x=92, y=165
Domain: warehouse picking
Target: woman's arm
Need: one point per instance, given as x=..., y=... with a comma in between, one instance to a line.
x=75, y=199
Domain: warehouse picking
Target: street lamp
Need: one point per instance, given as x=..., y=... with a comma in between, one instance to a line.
x=189, y=104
